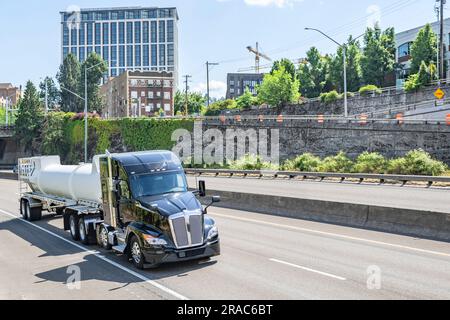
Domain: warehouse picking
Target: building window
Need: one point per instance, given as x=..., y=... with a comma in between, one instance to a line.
x=113, y=56
x=162, y=31
x=137, y=56
x=129, y=56
x=106, y=54
x=170, y=55
x=145, y=32
x=150, y=94
x=232, y=83
x=73, y=37
x=65, y=35
x=81, y=32
x=105, y=33
x=167, y=95
x=129, y=32
x=122, y=56
x=98, y=34
x=162, y=54
x=170, y=31
x=137, y=32
x=65, y=52
x=121, y=32
x=82, y=54
x=98, y=50
x=74, y=51
x=114, y=33
x=89, y=50
x=154, y=55
x=146, y=55
x=167, y=107
x=404, y=50
x=154, y=32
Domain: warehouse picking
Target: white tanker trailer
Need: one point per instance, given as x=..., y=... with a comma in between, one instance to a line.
x=134, y=203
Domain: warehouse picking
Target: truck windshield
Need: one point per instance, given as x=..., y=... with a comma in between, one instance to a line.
x=158, y=184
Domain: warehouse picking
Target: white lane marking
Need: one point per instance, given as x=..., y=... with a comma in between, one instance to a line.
x=98, y=255
x=336, y=235
x=309, y=269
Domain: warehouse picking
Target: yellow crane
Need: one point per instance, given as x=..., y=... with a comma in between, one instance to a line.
x=258, y=55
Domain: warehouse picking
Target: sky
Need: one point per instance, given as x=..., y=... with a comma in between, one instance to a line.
x=209, y=30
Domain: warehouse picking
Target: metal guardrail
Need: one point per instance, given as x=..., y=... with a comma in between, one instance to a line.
x=382, y=178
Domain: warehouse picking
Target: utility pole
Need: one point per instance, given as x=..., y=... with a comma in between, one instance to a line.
x=46, y=96
x=208, y=64
x=441, y=40
x=186, y=100
x=438, y=51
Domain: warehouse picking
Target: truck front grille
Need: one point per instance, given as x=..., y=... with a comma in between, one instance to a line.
x=187, y=230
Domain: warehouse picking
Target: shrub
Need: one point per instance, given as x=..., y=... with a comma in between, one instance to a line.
x=217, y=107
x=417, y=162
x=339, y=163
x=330, y=97
x=252, y=162
x=370, y=163
x=306, y=163
x=366, y=90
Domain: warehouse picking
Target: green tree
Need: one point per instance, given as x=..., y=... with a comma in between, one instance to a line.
x=96, y=68
x=422, y=78
x=279, y=88
x=53, y=94
x=313, y=73
x=30, y=118
x=247, y=100
x=196, y=103
x=378, y=57
x=288, y=65
x=354, y=72
x=69, y=78
x=423, y=49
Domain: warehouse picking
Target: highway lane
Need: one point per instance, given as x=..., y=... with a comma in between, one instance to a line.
x=264, y=257
x=411, y=197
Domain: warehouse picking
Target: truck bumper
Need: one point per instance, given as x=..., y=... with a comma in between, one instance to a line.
x=155, y=258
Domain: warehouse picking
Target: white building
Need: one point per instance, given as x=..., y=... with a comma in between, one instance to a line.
x=404, y=41
x=129, y=39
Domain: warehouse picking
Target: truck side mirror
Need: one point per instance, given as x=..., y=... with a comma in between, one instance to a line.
x=202, y=188
x=216, y=199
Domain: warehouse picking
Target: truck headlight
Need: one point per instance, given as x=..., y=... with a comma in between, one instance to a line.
x=214, y=232
x=152, y=241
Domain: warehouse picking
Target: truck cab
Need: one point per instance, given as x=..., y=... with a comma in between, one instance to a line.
x=149, y=212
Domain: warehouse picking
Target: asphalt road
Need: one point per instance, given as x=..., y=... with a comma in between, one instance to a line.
x=264, y=257
x=394, y=196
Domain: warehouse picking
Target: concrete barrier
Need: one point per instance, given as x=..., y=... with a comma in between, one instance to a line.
x=9, y=175
x=417, y=223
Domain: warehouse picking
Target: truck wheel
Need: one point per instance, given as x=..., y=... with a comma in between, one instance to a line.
x=102, y=239
x=33, y=214
x=73, y=223
x=86, y=236
x=136, y=255
x=22, y=207
x=25, y=210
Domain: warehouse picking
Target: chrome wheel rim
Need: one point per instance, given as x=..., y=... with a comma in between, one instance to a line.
x=136, y=252
x=82, y=230
x=72, y=226
x=104, y=238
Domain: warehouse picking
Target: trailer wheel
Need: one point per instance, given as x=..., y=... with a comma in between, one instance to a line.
x=102, y=239
x=73, y=223
x=87, y=236
x=135, y=253
x=33, y=214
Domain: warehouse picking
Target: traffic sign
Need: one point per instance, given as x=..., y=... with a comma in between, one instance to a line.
x=439, y=94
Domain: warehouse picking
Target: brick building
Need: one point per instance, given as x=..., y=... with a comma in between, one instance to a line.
x=10, y=93
x=136, y=94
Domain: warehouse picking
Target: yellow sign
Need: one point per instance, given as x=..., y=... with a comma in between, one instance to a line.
x=439, y=94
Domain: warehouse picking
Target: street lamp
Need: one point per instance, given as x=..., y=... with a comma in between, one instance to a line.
x=344, y=50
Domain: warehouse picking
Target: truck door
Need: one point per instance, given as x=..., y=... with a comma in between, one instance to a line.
x=107, y=169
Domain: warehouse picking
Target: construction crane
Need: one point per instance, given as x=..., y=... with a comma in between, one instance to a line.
x=258, y=56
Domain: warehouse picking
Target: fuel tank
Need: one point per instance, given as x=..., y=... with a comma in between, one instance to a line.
x=48, y=176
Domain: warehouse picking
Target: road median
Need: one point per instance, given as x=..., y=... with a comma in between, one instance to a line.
x=417, y=223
